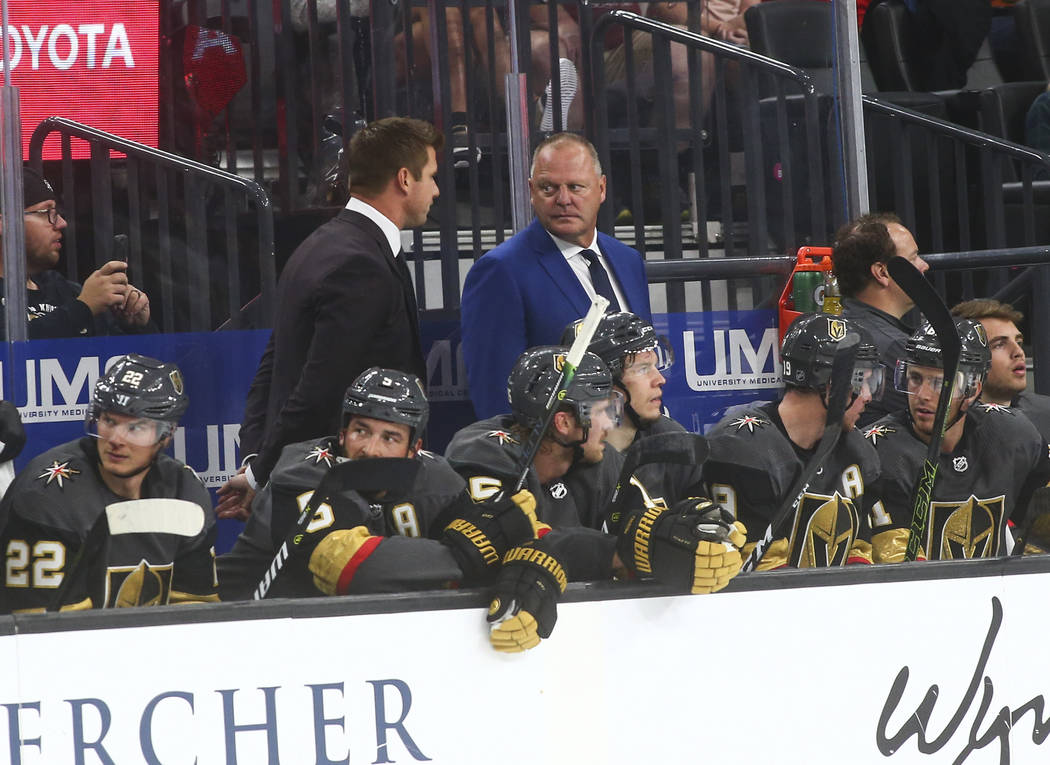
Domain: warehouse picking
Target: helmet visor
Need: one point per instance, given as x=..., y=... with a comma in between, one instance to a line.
x=870, y=376
x=138, y=431
x=606, y=412
x=912, y=379
x=657, y=357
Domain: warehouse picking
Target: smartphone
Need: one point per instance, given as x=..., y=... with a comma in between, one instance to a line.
x=120, y=248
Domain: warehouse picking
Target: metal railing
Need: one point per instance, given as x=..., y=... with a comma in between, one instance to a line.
x=184, y=223
x=1029, y=284
x=748, y=152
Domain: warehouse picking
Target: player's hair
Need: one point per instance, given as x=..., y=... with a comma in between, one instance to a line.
x=858, y=245
x=561, y=138
x=986, y=308
x=383, y=147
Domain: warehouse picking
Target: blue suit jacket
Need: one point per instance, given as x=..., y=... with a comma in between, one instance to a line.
x=524, y=293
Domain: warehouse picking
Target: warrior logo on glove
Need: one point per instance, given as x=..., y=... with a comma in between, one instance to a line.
x=693, y=546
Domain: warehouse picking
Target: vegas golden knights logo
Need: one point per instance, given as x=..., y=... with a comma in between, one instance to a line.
x=559, y=362
x=176, y=380
x=981, y=334
x=836, y=329
x=825, y=529
x=141, y=585
x=963, y=530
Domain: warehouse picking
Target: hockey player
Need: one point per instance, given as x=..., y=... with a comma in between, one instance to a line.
x=693, y=546
x=636, y=357
x=488, y=453
x=1007, y=379
x=756, y=454
x=422, y=535
x=126, y=523
x=991, y=460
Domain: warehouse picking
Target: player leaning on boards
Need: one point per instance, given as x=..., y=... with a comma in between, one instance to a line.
x=1007, y=379
x=636, y=357
x=573, y=477
x=138, y=523
x=759, y=453
x=991, y=458
x=422, y=532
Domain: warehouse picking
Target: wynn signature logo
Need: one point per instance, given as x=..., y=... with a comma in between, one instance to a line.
x=998, y=729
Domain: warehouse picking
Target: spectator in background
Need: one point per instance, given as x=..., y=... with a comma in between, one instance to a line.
x=525, y=291
x=345, y=302
x=1007, y=380
x=55, y=307
x=422, y=58
x=871, y=298
x=1005, y=42
x=1037, y=128
x=539, y=65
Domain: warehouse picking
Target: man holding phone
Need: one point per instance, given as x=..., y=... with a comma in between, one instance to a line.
x=55, y=307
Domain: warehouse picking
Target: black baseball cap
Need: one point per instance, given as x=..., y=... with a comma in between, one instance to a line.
x=36, y=188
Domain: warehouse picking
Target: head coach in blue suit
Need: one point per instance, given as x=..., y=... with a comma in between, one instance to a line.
x=525, y=292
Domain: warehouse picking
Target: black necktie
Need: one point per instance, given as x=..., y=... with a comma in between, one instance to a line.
x=600, y=279
x=411, y=306
x=406, y=283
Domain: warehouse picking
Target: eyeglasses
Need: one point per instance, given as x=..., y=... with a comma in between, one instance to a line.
x=52, y=214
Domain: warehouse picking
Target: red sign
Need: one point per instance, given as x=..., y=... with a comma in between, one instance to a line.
x=90, y=61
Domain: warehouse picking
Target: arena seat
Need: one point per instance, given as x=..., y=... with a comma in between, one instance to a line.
x=1032, y=18
x=998, y=110
x=888, y=39
x=797, y=32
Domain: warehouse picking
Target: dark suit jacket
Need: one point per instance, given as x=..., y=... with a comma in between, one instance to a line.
x=524, y=293
x=341, y=309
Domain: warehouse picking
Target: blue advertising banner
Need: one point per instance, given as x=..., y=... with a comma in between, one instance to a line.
x=51, y=382
x=722, y=359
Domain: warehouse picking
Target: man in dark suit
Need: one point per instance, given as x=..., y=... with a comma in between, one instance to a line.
x=345, y=302
x=524, y=292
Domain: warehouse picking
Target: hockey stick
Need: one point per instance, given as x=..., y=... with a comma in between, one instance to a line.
x=568, y=372
x=665, y=448
x=927, y=300
x=838, y=400
x=1038, y=507
x=363, y=475
x=133, y=516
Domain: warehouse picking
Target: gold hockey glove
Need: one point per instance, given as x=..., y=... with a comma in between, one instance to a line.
x=524, y=604
x=694, y=546
x=482, y=534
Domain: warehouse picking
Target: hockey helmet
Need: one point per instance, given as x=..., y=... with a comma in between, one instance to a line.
x=536, y=374
x=388, y=395
x=141, y=387
x=808, y=352
x=138, y=386
x=621, y=334
x=923, y=349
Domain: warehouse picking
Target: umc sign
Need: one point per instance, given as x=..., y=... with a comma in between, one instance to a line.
x=731, y=360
